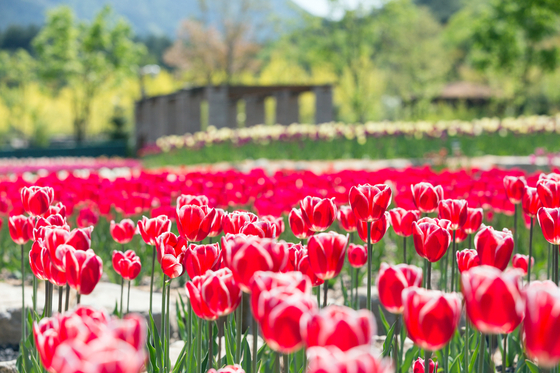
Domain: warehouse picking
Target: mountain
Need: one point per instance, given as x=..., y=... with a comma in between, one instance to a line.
x=146, y=16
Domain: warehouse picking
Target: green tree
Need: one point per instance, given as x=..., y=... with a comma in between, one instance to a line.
x=85, y=57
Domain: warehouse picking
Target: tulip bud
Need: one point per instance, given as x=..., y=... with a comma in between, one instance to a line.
x=262, y=229
x=36, y=200
x=474, y=220
x=201, y=258
x=295, y=252
x=431, y=317
x=357, y=255
x=521, y=262
x=549, y=220
x=83, y=270
x=514, y=188
x=549, y=192
x=338, y=326
x=194, y=222
x=531, y=202
x=378, y=228
x=493, y=299
x=199, y=306
x=219, y=291
x=419, y=367
x=216, y=226
x=122, y=232
x=402, y=220
x=361, y=359
x=318, y=213
x=171, y=253
x=277, y=221
x=370, y=202
x=494, y=247
x=150, y=229
x=391, y=282
x=126, y=264
x=467, y=259
x=21, y=228
x=454, y=210
x=232, y=223
x=426, y=196
x=431, y=238
x=298, y=226
x=36, y=256
x=326, y=254
x=347, y=219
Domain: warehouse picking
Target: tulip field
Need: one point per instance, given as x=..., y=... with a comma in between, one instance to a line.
x=464, y=264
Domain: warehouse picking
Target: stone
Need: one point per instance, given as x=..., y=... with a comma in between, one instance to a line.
x=8, y=366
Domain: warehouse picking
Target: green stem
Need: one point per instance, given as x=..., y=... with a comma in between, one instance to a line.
x=168, y=328
x=428, y=274
x=470, y=241
x=427, y=357
x=210, y=345
x=504, y=355
x=189, y=326
x=162, y=328
x=515, y=230
x=122, y=291
x=369, y=265
x=452, y=262
x=78, y=298
x=466, y=349
x=352, y=279
x=239, y=323
x=67, y=300
x=152, y=277
x=23, y=311
x=481, y=353
x=395, y=342
x=325, y=293
x=318, y=296
x=60, y=293
x=286, y=358
x=255, y=343
x=549, y=261
x=199, y=346
x=34, y=296
x=530, y=251
x=277, y=362
x=404, y=250
x=357, y=300
x=128, y=299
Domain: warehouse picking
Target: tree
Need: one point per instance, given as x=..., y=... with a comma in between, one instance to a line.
x=85, y=57
x=218, y=50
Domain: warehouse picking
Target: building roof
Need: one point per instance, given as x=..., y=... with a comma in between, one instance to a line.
x=465, y=91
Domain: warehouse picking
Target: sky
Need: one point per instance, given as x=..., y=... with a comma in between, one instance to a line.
x=322, y=8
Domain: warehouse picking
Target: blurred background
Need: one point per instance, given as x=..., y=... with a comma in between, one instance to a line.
x=71, y=71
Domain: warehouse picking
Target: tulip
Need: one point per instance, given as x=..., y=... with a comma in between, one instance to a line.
x=514, y=188
x=326, y=254
x=338, y=326
x=36, y=200
x=21, y=228
x=122, y=232
x=262, y=229
x=454, y=210
x=431, y=317
x=378, y=228
x=277, y=221
x=298, y=226
x=402, y=220
x=83, y=270
x=245, y=255
x=346, y=218
x=187, y=199
x=58, y=241
x=542, y=322
x=151, y=229
x=219, y=291
x=431, y=238
x=362, y=359
x=494, y=247
x=201, y=258
x=318, y=213
x=171, y=254
x=521, y=262
x=199, y=306
x=87, y=217
x=467, y=259
x=549, y=192
x=216, y=226
x=228, y=369
x=233, y=222
x=418, y=366
x=43, y=224
x=295, y=252
x=531, y=202
x=370, y=202
x=549, y=220
x=36, y=259
x=426, y=196
x=283, y=311
x=391, y=282
x=194, y=222
x=126, y=264
x=57, y=209
x=357, y=255
x=304, y=266
x=474, y=220
x=493, y=299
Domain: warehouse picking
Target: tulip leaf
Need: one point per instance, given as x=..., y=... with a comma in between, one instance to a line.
x=455, y=366
x=246, y=362
x=409, y=358
x=383, y=320
x=228, y=340
x=344, y=292
x=532, y=366
x=181, y=359
x=389, y=341
x=116, y=310
x=473, y=357
x=157, y=343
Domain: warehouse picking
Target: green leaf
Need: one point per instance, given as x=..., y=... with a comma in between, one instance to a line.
x=344, y=291
x=532, y=366
x=228, y=340
x=246, y=362
x=181, y=359
x=455, y=366
x=389, y=341
x=409, y=358
x=474, y=356
x=383, y=320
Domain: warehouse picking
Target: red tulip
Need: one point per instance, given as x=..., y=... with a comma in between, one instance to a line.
x=493, y=299
x=277, y=221
x=228, y=369
x=304, y=266
x=370, y=202
x=431, y=317
x=454, y=210
x=431, y=238
x=36, y=200
x=357, y=255
x=219, y=291
x=233, y=222
x=36, y=259
x=83, y=270
x=282, y=313
x=474, y=220
x=391, y=282
x=402, y=220
x=199, y=306
x=53, y=221
x=262, y=229
x=419, y=367
x=549, y=220
x=52, y=273
x=318, y=213
x=426, y=196
x=542, y=323
x=87, y=217
x=467, y=259
x=151, y=229
x=338, y=326
x=266, y=281
x=494, y=247
x=362, y=359
x=171, y=254
x=126, y=264
x=216, y=226
x=57, y=209
x=298, y=226
x=531, y=202
x=187, y=199
x=514, y=188
x=378, y=228
x=521, y=262
x=194, y=222
x=245, y=255
x=295, y=252
x=549, y=192
x=347, y=219
x=326, y=254
x=58, y=241
x=201, y=258
x=122, y=232
x=21, y=228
